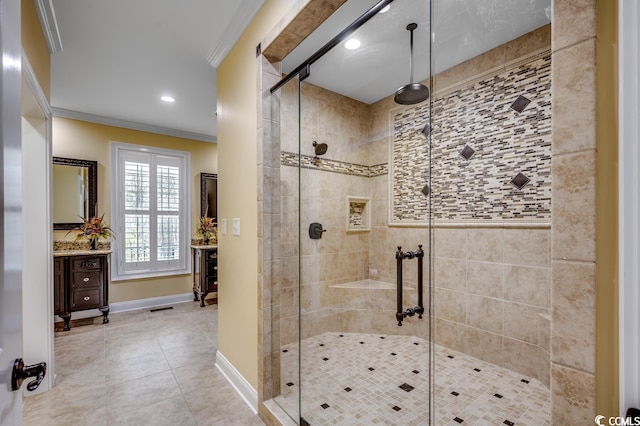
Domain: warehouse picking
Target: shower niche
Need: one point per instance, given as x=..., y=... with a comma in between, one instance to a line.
x=358, y=214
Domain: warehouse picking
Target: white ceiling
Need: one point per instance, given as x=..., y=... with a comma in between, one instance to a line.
x=461, y=29
x=119, y=56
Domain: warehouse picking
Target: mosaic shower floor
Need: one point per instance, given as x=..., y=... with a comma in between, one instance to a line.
x=365, y=379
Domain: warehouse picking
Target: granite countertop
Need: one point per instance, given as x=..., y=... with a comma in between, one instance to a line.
x=203, y=247
x=58, y=253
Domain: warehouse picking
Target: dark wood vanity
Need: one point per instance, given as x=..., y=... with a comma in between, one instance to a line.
x=81, y=282
x=205, y=272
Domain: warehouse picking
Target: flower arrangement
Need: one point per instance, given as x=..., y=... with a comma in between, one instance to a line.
x=206, y=228
x=93, y=229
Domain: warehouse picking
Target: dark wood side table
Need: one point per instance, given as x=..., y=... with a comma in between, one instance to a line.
x=205, y=272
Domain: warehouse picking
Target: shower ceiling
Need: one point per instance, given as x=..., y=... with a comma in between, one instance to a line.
x=462, y=30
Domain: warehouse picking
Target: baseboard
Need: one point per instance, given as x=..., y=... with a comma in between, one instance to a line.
x=133, y=305
x=233, y=376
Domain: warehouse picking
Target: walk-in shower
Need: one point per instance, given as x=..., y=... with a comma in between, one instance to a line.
x=423, y=298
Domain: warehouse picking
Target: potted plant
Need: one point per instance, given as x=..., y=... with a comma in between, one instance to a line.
x=93, y=229
x=206, y=229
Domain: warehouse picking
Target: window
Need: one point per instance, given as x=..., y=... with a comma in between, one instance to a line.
x=149, y=203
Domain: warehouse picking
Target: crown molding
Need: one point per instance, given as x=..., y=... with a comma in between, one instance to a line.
x=49, y=24
x=125, y=124
x=241, y=19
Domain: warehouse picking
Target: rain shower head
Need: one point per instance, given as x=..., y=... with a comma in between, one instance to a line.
x=321, y=148
x=412, y=93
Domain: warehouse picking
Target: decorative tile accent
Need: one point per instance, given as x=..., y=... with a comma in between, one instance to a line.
x=477, y=115
x=519, y=181
x=348, y=389
x=325, y=406
x=396, y=408
x=426, y=190
x=333, y=166
x=467, y=152
x=458, y=420
x=427, y=130
x=520, y=103
x=406, y=387
x=455, y=393
x=508, y=423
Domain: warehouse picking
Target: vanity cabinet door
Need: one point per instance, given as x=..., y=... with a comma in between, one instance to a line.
x=58, y=285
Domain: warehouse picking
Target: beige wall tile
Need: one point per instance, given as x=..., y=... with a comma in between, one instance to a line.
x=544, y=332
x=450, y=305
x=485, y=313
x=450, y=242
x=573, y=72
x=572, y=396
x=521, y=322
x=573, y=214
x=528, y=247
x=573, y=313
x=484, y=345
x=526, y=284
x=485, y=244
x=450, y=273
x=450, y=334
x=526, y=359
x=485, y=278
x=573, y=21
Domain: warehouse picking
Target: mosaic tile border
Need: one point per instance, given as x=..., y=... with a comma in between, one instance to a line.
x=334, y=166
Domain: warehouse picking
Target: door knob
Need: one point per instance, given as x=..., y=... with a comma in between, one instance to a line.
x=21, y=372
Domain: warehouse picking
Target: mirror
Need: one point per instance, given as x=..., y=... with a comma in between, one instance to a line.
x=209, y=195
x=75, y=191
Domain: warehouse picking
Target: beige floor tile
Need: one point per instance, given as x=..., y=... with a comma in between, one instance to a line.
x=139, y=370
x=170, y=412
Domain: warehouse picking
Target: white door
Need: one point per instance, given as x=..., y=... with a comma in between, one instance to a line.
x=10, y=211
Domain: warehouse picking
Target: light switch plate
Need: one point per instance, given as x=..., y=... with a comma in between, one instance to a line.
x=223, y=226
x=236, y=226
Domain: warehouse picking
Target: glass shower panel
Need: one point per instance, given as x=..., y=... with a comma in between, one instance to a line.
x=491, y=197
x=285, y=300
x=363, y=218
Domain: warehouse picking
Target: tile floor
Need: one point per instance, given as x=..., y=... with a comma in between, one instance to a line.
x=366, y=379
x=143, y=368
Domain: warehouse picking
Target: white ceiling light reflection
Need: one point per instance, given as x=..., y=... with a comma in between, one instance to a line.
x=169, y=99
x=352, y=44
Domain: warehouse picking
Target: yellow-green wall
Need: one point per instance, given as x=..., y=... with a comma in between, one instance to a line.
x=90, y=141
x=35, y=46
x=607, y=256
x=237, y=194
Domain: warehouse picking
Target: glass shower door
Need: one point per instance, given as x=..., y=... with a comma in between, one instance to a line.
x=363, y=169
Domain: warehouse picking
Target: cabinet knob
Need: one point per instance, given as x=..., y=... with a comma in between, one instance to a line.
x=86, y=279
x=215, y=268
x=87, y=298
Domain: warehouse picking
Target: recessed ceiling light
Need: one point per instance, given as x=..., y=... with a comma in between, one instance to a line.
x=385, y=9
x=352, y=43
x=168, y=99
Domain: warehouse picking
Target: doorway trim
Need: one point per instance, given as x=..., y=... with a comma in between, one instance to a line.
x=39, y=342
